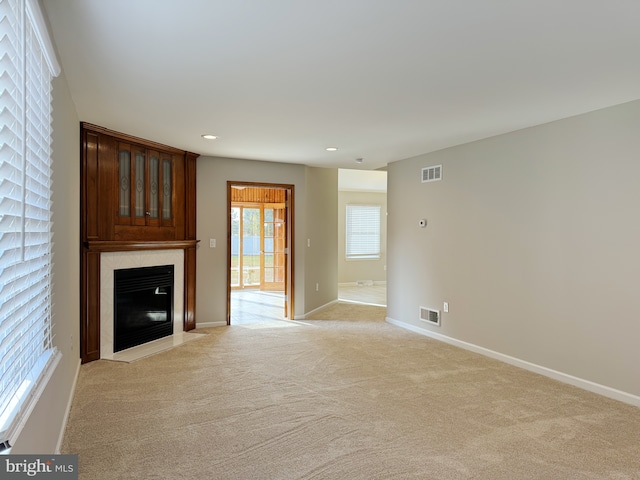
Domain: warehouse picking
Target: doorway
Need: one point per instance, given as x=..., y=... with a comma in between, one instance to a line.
x=260, y=253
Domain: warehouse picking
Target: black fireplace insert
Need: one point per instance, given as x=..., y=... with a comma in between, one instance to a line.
x=143, y=305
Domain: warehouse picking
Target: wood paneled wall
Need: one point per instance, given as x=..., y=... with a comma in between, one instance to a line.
x=257, y=195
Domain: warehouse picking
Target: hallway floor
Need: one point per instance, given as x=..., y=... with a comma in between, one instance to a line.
x=370, y=295
x=251, y=306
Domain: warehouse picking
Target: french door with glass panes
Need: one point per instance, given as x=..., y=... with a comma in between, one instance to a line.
x=274, y=241
x=258, y=242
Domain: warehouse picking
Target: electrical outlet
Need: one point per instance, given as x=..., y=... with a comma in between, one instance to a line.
x=212, y=243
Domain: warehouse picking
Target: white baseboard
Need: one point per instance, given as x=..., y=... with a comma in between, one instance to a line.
x=303, y=317
x=356, y=302
x=355, y=284
x=68, y=409
x=211, y=324
x=532, y=367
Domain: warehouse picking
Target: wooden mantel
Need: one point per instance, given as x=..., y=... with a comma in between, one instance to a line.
x=129, y=246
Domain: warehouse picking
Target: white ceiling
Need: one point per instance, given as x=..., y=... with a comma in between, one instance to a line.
x=382, y=80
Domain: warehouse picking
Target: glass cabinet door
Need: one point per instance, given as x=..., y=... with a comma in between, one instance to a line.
x=145, y=186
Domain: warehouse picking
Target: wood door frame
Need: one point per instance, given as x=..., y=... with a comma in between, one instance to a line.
x=290, y=256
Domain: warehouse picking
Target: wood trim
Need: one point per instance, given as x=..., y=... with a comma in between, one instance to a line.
x=189, y=289
x=229, y=184
x=290, y=270
x=89, y=188
x=190, y=194
x=283, y=186
x=130, y=138
x=127, y=246
x=90, y=307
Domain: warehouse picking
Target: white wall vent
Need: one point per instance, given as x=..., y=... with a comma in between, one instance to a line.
x=432, y=174
x=430, y=316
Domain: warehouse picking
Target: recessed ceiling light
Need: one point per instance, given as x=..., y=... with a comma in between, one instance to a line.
x=331, y=149
x=208, y=136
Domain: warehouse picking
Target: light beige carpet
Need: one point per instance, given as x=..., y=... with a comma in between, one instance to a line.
x=344, y=397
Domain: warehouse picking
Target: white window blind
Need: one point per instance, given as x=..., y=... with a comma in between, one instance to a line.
x=363, y=231
x=27, y=354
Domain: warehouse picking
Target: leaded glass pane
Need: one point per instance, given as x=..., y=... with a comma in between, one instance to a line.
x=139, y=193
x=124, y=162
x=154, y=180
x=166, y=189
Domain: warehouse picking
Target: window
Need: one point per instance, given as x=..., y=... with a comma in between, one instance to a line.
x=27, y=355
x=363, y=232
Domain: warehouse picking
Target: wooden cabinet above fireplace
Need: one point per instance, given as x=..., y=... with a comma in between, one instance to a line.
x=135, y=195
x=135, y=189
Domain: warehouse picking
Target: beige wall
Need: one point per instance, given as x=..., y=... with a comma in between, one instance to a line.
x=533, y=240
x=321, y=239
x=350, y=271
x=211, y=265
x=43, y=430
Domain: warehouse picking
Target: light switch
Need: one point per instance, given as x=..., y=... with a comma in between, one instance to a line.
x=212, y=243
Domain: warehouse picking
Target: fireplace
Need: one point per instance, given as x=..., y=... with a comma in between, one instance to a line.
x=110, y=262
x=143, y=305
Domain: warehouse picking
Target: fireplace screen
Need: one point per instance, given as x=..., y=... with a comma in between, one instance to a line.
x=143, y=305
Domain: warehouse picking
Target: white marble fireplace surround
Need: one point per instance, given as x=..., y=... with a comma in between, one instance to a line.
x=111, y=261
